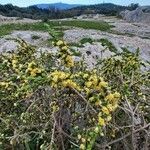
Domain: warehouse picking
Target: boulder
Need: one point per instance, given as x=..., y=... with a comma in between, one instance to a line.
x=140, y=15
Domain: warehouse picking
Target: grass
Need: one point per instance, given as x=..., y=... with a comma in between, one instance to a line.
x=103, y=26
x=8, y=28
x=75, y=44
x=86, y=40
x=35, y=37
x=108, y=44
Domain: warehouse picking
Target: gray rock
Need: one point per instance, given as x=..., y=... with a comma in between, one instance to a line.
x=141, y=15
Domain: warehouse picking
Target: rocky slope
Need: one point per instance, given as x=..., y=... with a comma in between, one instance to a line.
x=141, y=15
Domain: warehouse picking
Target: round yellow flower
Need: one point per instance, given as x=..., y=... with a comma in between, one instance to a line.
x=64, y=48
x=69, y=61
x=79, y=136
x=83, y=140
x=59, y=43
x=103, y=84
x=88, y=84
x=110, y=97
x=96, y=130
x=108, y=118
x=105, y=110
x=14, y=61
x=117, y=95
x=101, y=121
x=85, y=75
x=82, y=147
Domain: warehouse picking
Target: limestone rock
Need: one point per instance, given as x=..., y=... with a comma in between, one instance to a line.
x=140, y=15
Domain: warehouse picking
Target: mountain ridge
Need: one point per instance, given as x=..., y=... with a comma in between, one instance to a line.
x=60, y=6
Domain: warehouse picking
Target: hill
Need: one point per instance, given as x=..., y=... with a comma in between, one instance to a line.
x=59, y=6
x=104, y=8
x=60, y=10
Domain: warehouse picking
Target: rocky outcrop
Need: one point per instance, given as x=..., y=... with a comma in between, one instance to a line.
x=140, y=15
x=3, y=18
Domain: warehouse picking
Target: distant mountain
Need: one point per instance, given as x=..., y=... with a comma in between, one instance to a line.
x=103, y=8
x=62, y=10
x=60, y=6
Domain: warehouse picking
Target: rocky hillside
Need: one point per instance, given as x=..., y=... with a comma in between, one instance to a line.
x=141, y=14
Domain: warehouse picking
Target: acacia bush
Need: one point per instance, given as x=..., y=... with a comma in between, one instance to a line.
x=50, y=101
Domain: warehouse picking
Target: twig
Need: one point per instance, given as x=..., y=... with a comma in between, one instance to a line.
x=81, y=96
x=53, y=132
x=119, y=139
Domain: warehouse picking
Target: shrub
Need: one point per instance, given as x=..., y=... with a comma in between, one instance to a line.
x=49, y=101
x=86, y=40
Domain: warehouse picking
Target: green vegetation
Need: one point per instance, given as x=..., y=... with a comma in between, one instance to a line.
x=75, y=44
x=35, y=37
x=40, y=26
x=103, y=26
x=108, y=44
x=8, y=28
x=86, y=40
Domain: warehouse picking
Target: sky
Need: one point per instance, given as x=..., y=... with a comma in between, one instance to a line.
x=24, y=3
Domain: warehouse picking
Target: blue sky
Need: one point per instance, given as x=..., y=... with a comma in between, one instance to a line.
x=24, y=3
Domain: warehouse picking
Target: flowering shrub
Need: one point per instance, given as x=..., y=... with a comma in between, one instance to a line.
x=49, y=101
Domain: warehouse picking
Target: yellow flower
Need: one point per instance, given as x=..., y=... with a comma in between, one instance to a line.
x=105, y=110
x=110, y=97
x=103, y=84
x=70, y=83
x=33, y=74
x=94, y=79
x=82, y=147
x=101, y=121
x=55, y=79
x=110, y=107
x=87, y=90
x=59, y=75
x=4, y=84
x=64, y=48
x=88, y=84
x=79, y=136
x=35, y=71
x=85, y=75
x=69, y=61
x=101, y=79
x=30, y=65
x=96, y=130
x=117, y=95
x=83, y=140
x=109, y=118
x=59, y=43
x=14, y=61
x=98, y=103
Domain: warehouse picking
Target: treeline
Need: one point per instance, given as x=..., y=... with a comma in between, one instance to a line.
x=35, y=13
x=104, y=8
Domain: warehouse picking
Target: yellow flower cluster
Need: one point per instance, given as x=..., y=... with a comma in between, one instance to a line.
x=4, y=84
x=101, y=121
x=83, y=142
x=65, y=54
x=60, y=78
x=96, y=82
x=111, y=101
x=14, y=63
x=32, y=69
x=70, y=83
x=69, y=61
